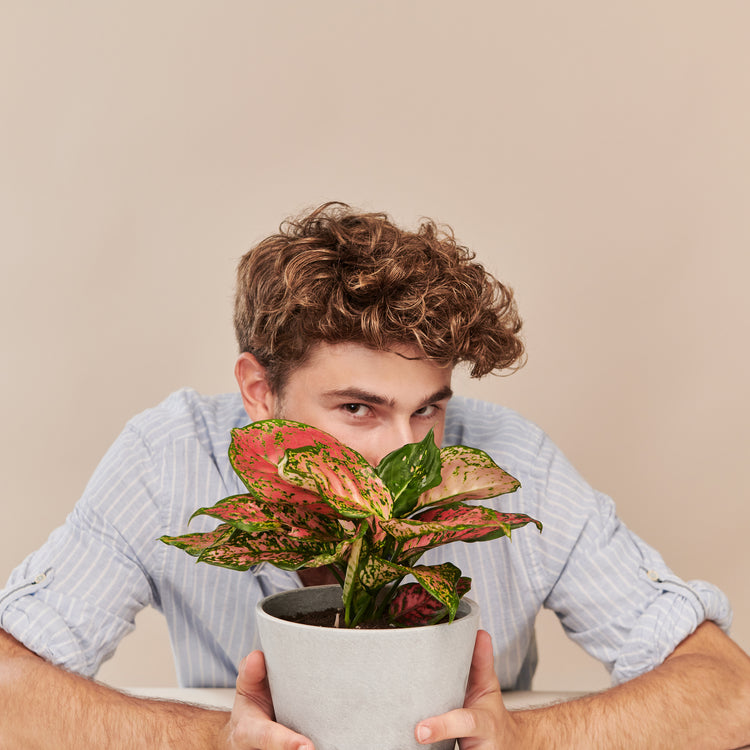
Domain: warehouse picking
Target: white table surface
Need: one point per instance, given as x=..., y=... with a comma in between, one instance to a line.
x=223, y=697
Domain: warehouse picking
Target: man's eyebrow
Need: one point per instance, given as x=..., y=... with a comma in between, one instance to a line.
x=442, y=394
x=358, y=395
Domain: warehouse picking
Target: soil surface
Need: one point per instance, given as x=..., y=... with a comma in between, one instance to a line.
x=332, y=618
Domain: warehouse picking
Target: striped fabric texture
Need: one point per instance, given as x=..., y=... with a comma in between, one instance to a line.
x=74, y=599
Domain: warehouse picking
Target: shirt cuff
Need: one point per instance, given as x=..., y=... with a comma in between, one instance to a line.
x=676, y=613
x=63, y=637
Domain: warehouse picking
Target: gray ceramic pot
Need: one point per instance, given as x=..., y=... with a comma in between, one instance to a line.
x=362, y=689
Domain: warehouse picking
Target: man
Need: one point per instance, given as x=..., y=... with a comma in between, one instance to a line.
x=347, y=322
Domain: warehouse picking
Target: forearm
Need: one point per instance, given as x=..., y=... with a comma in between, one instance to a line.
x=43, y=706
x=695, y=699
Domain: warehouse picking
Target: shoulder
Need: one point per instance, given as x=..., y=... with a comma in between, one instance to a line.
x=188, y=432
x=168, y=458
x=491, y=427
x=189, y=415
x=517, y=444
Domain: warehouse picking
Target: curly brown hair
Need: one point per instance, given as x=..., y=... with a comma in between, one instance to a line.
x=339, y=275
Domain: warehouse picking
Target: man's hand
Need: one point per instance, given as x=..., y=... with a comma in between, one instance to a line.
x=698, y=697
x=484, y=723
x=251, y=726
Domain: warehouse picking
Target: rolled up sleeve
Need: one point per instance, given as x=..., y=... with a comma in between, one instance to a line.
x=76, y=597
x=677, y=610
x=613, y=593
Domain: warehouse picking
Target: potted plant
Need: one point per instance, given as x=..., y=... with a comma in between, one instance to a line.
x=313, y=502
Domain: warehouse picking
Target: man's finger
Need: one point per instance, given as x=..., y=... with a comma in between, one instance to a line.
x=483, y=709
x=252, y=682
x=251, y=726
x=461, y=722
x=482, y=677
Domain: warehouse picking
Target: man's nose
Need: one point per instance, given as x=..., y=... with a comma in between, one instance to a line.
x=394, y=439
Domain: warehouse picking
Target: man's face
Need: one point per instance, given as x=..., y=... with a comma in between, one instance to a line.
x=373, y=401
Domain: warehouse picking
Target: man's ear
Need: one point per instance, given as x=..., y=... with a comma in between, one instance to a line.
x=257, y=397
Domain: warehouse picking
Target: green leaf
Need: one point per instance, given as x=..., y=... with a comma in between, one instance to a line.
x=351, y=587
x=409, y=471
x=377, y=572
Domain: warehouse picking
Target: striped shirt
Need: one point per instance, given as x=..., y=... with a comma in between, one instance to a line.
x=74, y=599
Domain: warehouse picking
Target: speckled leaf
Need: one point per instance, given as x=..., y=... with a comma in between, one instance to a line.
x=458, y=522
x=377, y=572
x=241, y=511
x=247, y=513
x=241, y=551
x=468, y=474
x=255, y=452
x=195, y=544
x=413, y=605
x=340, y=476
x=351, y=577
x=438, y=580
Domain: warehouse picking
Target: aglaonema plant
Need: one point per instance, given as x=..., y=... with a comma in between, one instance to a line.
x=312, y=501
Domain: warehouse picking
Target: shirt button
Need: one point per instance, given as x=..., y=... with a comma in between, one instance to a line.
x=653, y=575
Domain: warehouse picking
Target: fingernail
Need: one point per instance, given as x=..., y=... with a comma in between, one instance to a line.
x=423, y=733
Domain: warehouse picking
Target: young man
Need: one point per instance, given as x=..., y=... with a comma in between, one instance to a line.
x=347, y=322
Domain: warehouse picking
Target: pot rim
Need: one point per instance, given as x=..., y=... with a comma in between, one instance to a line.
x=469, y=606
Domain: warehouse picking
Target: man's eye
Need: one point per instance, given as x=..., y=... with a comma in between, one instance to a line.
x=426, y=411
x=357, y=410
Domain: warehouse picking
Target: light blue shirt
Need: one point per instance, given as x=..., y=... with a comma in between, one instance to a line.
x=76, y=597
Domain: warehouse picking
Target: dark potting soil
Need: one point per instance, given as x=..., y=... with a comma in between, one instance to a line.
x=327, y=618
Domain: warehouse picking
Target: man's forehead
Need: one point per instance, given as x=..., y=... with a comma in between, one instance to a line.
x=353, y=351
x=358, y=373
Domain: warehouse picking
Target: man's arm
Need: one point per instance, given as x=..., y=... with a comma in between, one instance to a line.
x=43, y=706
x=699, y=697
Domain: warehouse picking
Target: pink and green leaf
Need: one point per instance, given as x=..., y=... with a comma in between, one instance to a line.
x=438, y=580
x=195, y=544
x=255, y=453
x=247, y=513
x=344, y=480
x=413, y=605
x=457, y=523
x=467, y=474
x=243, y=551
x=268, y=440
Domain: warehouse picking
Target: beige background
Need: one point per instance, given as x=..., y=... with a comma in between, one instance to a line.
x=596, y=155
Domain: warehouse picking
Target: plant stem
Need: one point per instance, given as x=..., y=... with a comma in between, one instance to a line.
x=336, y=574
x=388, y=598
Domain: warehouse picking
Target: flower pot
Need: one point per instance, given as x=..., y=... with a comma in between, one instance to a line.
x=362, y=689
